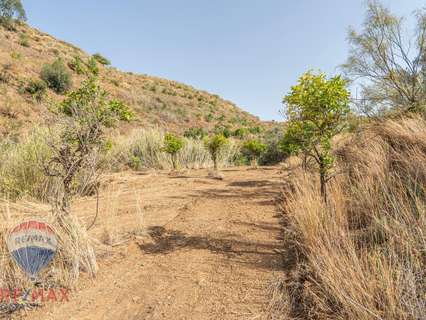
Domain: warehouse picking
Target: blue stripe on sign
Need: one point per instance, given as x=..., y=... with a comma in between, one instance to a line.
x=33, y=259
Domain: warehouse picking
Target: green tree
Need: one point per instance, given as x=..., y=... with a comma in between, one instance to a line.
x=215, y=145
x=57, y=76
x=390, y=64
x=11, y=10
x=172, y=145
x=254, y=149
x=317, y=110
x=80, y=121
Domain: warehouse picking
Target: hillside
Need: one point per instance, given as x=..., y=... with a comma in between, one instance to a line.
x=155, y=101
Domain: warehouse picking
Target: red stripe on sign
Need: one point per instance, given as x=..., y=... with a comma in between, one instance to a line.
x=33, y=225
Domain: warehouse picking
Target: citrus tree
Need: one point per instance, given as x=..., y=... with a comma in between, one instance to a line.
x=317, y=110
x=254, y=149
x=215, y=145
x=172, y=145
x=80, y=123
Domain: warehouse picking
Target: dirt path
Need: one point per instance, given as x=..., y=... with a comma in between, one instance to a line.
x=209, y=250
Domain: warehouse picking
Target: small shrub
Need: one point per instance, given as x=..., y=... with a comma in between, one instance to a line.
x=101, y=59
x=24, y=40
x=172, y=145
x=92, y=66
x=254, y=149
x=273, y=153
x=15, y=55
x=37, y=89
x=195, y=133
x=56, y=76
x=77, y=65
x=5, y=74
x=241, y=133
x=115, y=82
x=222, y=130
x=215, y=145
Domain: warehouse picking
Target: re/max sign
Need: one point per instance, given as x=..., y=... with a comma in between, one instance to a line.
x=34, y=295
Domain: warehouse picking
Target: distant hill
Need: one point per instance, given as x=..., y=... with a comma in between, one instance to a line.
x=155, y=101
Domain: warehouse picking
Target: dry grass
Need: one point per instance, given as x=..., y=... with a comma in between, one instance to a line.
x=143, y=149
x=75, y=248
x=362, y=256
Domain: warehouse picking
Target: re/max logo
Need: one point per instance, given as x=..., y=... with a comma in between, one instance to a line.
x=34, y=295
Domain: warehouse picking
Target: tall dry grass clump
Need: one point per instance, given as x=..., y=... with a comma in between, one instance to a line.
x=20, y=166
x=144, y=149
x=75, y=248
x=362, y=256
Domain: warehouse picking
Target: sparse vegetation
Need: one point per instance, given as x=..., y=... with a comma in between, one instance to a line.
x=37, y=89
x=353, y=200
x=195, y=133
x=101, y=59
x=92, y=66
x=77, y=65
x=24, y=41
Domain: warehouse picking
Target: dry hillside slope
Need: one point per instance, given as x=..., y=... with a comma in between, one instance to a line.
x=156, y=102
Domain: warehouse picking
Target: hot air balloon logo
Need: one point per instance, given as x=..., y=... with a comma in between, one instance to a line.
x=32, y=245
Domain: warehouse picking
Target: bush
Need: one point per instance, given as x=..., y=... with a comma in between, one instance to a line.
x=101, y=59
x=172, y=145
x=77, y=65
x=273, y=153
x=222, y=130
x=215, y=145
x=5, y=73
x=240, y=133
x=56, y=76
x=24, y=41
x=195, y=133
x=37, y=89
x=92, y=66
x=254, y=149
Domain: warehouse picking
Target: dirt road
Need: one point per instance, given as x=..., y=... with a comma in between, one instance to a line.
x=208, y=249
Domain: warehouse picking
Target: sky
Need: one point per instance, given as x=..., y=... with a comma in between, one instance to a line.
x=248, y=51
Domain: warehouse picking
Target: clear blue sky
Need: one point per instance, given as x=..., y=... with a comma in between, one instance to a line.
x=247, y=51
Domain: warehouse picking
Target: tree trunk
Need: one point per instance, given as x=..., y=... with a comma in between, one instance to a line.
x=215, y=163
x=254, y=162
x=174, y=161
x=323, y=182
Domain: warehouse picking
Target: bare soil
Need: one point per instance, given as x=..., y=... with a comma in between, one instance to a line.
x=209, y=248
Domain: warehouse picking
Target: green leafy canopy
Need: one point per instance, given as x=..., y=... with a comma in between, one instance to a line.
x=172, y=144
x=317, y=110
